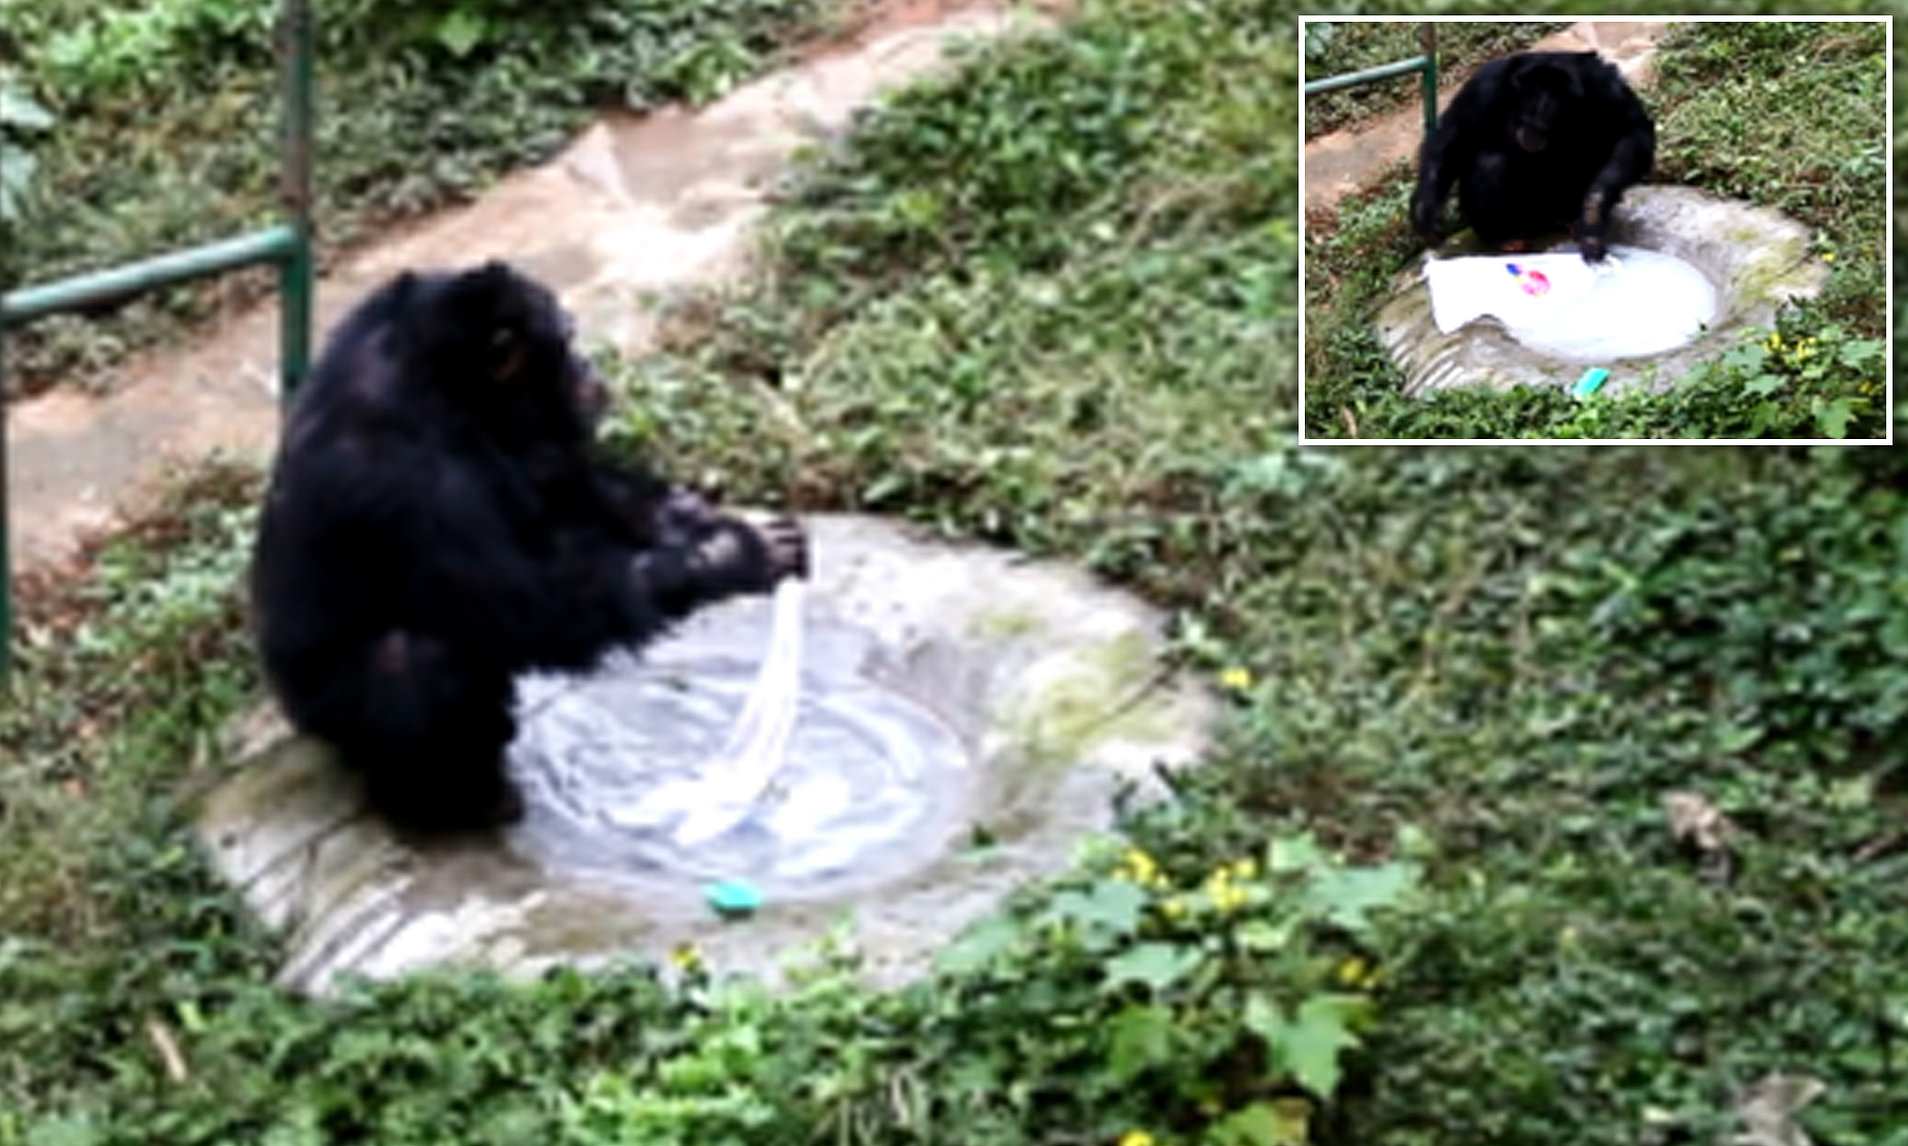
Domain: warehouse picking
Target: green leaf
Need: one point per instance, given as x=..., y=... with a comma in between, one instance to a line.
x=1832, y=418
x=77, y=1130
x=1747, y=358
x=1734, y=738
x=884, y=488
x=16, y=174
x=1153, y=965
x=1283, y=1123
x=18, y=109
x=1861, y=352
x=1766, y=414
x=1142, y=1038
x=461, y=30
x=981, y=945
x=1296, y=853
x=1263, y=936
x=1113, y=907
x=1763, y=385
x=1346, y=896
x=1308, y=1047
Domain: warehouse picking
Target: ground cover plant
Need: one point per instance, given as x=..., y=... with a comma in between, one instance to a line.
x=1788, y=115
x=159, y=121
x=1338, y=48
x=1429, y=886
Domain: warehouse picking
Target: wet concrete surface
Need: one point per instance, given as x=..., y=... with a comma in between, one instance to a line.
x=1048, y=686
x=1757, y=258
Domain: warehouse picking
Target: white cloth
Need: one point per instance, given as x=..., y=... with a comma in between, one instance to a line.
x=1633, y=304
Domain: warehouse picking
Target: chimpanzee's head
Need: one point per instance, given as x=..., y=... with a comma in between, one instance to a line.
x=1544, y=94
x=497, y=343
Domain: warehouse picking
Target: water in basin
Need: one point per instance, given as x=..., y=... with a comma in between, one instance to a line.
x=1637, y=303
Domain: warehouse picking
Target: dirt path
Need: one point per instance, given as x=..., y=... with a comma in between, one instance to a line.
x=635, y=204
x=1345, y=161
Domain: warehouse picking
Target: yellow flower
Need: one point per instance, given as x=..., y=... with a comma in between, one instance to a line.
x=1828, y=256
x=1136, y=1138
x=686, y=956
x=1226, y=896
x=1238, y=678
x=1245, y=869
x=1173, y=908
x=1354, y=971
x=1140, y=867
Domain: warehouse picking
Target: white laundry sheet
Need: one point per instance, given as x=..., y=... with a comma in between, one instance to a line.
x=1634, y=303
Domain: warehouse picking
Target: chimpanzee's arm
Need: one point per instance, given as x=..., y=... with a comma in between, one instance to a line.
x=1448, y=151
x=1629, y=162
x=689, y=553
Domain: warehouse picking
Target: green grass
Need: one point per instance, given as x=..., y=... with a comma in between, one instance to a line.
x=1788, y=115
x=1051, y=302
x=1348, y=47
x=167, y=110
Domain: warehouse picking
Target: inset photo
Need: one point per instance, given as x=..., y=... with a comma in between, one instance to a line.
x=1666, y=230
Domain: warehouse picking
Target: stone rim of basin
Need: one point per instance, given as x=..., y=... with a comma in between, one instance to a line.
x=1075, y=699
x=1757, y=257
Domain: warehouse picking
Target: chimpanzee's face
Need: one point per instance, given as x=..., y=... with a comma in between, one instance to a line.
x=1544, y=94
x=506, y=347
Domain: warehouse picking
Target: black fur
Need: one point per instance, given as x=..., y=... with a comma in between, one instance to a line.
x=437, y=524
x=1535, y=143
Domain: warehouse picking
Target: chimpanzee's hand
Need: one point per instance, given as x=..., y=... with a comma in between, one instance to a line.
x=747, y=557
x=1424, y=213
x=684, y=517
x=787, y=548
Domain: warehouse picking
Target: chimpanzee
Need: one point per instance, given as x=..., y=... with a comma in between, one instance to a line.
x=1536, y=142
x=437, y=524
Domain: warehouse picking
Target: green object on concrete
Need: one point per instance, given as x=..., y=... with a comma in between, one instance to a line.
x=733, y=898
x=1588, y=384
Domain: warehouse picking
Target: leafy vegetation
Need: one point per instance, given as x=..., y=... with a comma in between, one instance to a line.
x=21, y=121
x=1051, y=302
x=1792, y=115
x=168, y=114
x=1336, y=49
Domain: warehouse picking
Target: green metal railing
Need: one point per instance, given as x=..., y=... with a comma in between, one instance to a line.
x=287, y=246
x=1426, y=64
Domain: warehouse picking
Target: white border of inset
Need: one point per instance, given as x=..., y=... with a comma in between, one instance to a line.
x=1888, y=253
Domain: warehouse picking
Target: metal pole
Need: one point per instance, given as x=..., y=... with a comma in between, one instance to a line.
x=295, y=272
x=1428, y=45
x=1366, y=76
x=273, y=245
